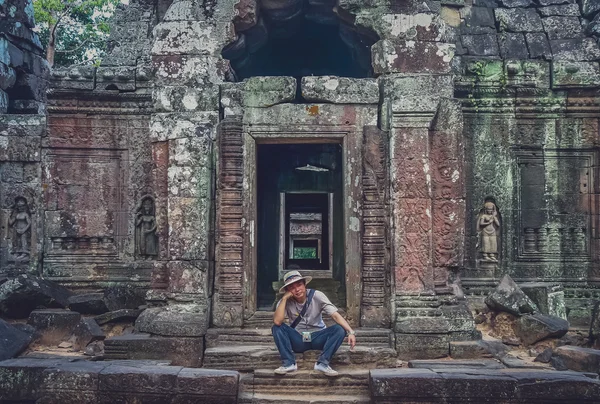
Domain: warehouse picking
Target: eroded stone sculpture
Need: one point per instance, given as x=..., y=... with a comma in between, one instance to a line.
x=146, y=239
x=19, y=224
x=488, y=227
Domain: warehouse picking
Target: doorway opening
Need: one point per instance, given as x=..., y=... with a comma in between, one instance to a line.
x=300, y=218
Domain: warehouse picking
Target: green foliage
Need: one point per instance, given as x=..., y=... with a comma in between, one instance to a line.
x=304, y=253
x=80, y=29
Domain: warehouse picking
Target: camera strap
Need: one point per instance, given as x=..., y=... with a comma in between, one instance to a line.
x=311, y=293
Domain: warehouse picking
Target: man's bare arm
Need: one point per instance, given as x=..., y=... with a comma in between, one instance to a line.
x=279, y=316
x=337, y=317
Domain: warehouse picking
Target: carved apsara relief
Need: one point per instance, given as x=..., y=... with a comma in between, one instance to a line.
x=146, y=239
x=19, y=224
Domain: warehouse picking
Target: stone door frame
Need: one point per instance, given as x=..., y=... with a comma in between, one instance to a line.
x=350, y=139
x=235, y=293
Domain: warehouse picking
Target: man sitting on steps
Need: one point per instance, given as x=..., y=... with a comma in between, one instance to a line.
x=304, y=308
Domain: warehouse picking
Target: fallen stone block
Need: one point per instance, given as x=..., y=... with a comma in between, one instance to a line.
x=12, y=341
x=549, y=298
x=117, y=316
x=536, y=327
x=87, y=331
x=510, y=298
x=477, y=349
x=89, y=303
x=169, y=322
x=180, y=351
x=123, y=297
x=20, y=296
x=54, y=325
x=578, y=358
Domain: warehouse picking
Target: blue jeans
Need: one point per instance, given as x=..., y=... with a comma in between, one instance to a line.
x=288, y=341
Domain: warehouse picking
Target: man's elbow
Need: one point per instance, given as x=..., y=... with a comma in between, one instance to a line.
x=277, y=322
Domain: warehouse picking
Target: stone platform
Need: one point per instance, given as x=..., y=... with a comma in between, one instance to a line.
x=66, y=381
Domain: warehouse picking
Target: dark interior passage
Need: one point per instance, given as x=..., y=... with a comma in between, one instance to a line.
x=299, y=202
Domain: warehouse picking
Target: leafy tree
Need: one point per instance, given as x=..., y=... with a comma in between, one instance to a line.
x=73, y=31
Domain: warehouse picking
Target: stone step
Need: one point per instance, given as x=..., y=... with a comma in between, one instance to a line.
x=283, y=398
x=215, y=337
x=250, y=357
x=348, y=382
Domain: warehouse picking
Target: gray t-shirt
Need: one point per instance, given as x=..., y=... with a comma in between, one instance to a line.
x=313, y=318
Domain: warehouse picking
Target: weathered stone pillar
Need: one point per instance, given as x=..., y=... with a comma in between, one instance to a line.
x=375, y=305
x=23, y=84
x=186, y=96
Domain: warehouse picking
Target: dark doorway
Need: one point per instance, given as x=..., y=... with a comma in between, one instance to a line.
x=299, y=215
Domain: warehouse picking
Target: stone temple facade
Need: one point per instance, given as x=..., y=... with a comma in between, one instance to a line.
x=407, y=154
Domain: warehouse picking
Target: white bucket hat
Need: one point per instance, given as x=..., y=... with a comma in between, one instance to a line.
x=291, y=277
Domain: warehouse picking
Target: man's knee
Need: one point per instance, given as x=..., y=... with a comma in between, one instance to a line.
x=278, y=329
x=339, y=331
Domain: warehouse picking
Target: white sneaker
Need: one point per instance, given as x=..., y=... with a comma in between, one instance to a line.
x=325, y=369
x=283, y=370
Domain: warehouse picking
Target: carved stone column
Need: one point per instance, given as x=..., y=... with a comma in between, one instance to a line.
x=375, y=307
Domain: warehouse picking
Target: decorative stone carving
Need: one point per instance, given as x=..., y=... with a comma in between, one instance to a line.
x=146, y=239
x=488, y=228
x=230, y=238
x=19, y=224
x=374, y=237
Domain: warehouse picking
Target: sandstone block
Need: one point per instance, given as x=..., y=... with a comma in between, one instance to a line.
x=477, y=17
x=416, y=93
x=510, y=298
x=20, y=296
x=231, y=99
x=123, y=297
x=26, y=107
x=118, y=316
x=262, y=92
x=477, y=349
x=550, y=299
x=511, y=45
x=578, y=358
x=516, y=3
x=536, y=327
x=558, y=27
x=167, y=126
x=538, y=45
x=183, y=98
x=89, y=303
x=575, y=74
x=571, y=10
x=54, y=325
x=180, y=351
x=201, y=38
x=77, y=78
x=518, y=20
x=188, y=70
x=12, y=341
x=340, y=90
x=87, y=331
x=208, y=382
x=401, y=56
x=579, y=49
x=133, y=379
x=115, y=78
x=8, y=76
x=182, y=321
x=481, y=45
